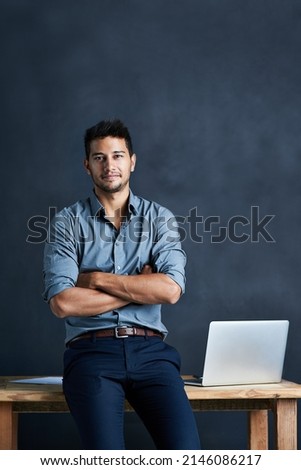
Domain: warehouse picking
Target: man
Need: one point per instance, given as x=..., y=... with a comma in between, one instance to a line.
x=110, y=262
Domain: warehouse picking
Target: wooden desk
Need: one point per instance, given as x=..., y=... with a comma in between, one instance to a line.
x=257, y=400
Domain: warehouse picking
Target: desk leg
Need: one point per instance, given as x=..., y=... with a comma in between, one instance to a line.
x=285, y=416
x=8, y=427
x=258, y=430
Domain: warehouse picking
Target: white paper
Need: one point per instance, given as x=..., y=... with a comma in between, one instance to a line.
x=40, y=380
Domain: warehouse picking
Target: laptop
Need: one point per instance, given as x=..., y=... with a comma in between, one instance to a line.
x=243, y=352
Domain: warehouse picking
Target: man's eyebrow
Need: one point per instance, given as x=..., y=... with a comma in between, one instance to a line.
x=103, y=154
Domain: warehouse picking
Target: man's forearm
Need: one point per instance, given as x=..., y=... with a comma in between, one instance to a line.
x=154, y=288
x=83, y=302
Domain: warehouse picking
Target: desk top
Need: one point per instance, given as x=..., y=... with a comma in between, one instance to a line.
x=26, y=392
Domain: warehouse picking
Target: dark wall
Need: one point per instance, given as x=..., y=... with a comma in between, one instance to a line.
x=210, y=90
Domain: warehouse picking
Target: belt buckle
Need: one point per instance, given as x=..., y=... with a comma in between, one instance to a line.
x=117, y=335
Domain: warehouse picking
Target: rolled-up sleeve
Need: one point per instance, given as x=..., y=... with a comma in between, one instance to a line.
x=168, y=257
x=60, y=266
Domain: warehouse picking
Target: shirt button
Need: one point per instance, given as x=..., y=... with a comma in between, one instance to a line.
x=118, y=268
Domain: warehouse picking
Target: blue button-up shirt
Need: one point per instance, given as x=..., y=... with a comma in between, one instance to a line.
x=82, y=239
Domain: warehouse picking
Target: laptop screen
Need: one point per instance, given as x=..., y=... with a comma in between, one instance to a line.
x=245, y=352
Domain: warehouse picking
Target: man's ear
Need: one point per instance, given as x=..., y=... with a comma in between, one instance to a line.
x=86, y=165
x=133, y=162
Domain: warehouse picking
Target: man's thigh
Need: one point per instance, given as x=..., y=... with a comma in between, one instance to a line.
x=158, y=396
x=94, y=390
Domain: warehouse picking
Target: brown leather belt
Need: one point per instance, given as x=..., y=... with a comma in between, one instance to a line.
x=118, y=332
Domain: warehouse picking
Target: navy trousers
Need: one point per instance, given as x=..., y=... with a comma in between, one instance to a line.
x=100, y=373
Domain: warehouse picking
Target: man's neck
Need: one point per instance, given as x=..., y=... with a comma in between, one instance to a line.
x=115, y=204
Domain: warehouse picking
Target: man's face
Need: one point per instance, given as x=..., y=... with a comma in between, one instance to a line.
x=110, y=164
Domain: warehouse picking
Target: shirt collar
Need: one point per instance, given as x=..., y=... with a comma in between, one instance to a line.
x=97, y=208
x=133, y=204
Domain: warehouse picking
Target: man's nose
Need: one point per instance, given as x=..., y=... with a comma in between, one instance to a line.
x=109, y=164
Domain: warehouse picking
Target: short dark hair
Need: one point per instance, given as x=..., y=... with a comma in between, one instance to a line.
x=108, y=128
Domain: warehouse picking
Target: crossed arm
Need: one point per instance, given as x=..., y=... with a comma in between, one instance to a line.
x=98, y=292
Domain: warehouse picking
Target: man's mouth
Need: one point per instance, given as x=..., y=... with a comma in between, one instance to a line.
x=111, y=177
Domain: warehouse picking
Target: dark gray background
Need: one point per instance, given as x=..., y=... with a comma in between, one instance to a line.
x=210, y=90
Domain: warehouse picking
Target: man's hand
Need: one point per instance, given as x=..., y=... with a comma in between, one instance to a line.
x=147, y=287
x=97, y=292
x=87, y=280
x=147, y=269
